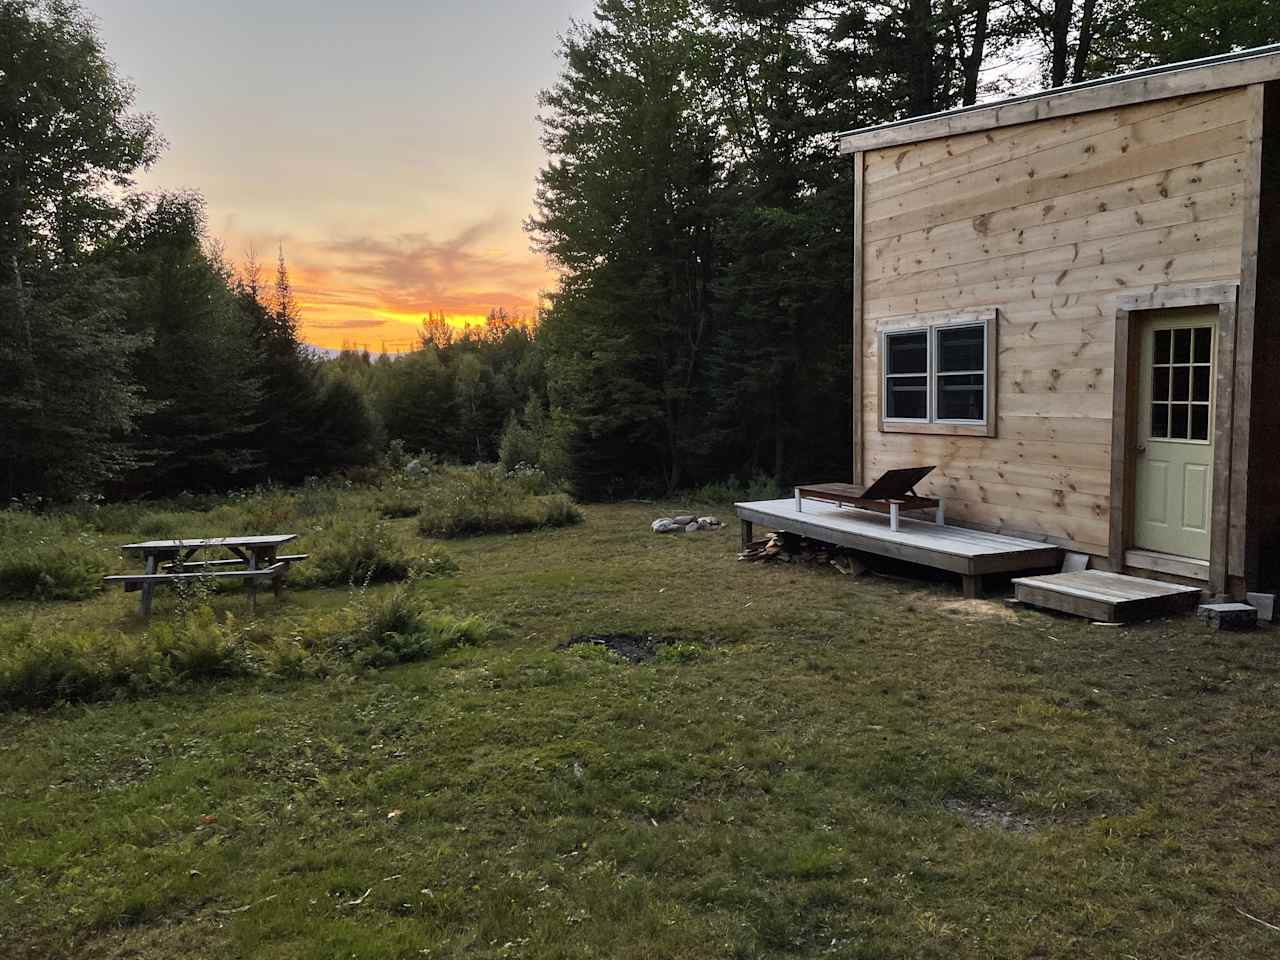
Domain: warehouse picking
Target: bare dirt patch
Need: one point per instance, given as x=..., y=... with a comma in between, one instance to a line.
x=636, y=647
x=990, y=815
x=979, y=610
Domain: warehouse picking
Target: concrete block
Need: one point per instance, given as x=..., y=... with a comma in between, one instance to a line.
x=1264, y=603
x=1228, y=616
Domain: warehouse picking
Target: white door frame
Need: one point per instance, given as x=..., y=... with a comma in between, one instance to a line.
x=1129, y=309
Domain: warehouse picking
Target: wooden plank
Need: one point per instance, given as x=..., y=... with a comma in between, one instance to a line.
x=1069, y=101
x=1138, y=244
x=1221, y=263
x=1161, y=197
x=950, y=207
x=1106, y=596
x=1051, y=159
x=1223, y=442
x=859, y=266
x=166, y=577
x=1123, y=431
x=1163, y=563
x=959, y=155
x=1242, y=555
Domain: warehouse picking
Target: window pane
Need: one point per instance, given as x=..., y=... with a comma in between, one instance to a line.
x=908, y=352
x=1181, y=383
x=1160, y=420
x=1204, y=344
x=961, y=349
x=907, y=398
x=960, y=397
x=1162, y=346
x=1160, y=383
x=1182, y=346
x=1201, y=384
x=1178, y=421
x=1200, y=421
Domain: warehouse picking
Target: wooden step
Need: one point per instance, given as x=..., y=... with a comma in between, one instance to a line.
x=1108, y=597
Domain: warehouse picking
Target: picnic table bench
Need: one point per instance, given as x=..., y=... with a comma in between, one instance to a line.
x=174, y=561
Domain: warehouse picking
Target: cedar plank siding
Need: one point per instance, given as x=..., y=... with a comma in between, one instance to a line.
x=1044, y=221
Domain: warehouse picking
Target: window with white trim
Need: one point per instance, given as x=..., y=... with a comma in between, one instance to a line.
x=937, y=374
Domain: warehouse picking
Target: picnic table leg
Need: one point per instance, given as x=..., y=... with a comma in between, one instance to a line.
x=253, y=582
x=746, y=534
x=799, y=502
x=893, y=517
x=144, y=601
x=938, y=517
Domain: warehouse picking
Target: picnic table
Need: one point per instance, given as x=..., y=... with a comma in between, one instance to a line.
x=176, y=561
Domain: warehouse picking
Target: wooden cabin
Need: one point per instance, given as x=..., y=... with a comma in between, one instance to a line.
x=1070, y=302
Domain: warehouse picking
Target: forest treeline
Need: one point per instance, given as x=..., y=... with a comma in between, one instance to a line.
x=692, y=202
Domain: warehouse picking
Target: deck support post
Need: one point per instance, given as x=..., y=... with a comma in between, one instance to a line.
x=972, y=583
x=746, y=534
x=893, y=516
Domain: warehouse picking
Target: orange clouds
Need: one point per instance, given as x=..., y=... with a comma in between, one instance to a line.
x=375, y=290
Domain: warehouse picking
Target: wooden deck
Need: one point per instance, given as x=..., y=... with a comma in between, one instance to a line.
x=970, y=553
x=1108, y=597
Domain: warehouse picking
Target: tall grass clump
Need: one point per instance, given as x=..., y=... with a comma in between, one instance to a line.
x=48, y=558
x=37, y=671
x=399, y=627
x=371, y=632
x=478, y=500
x=362, y=550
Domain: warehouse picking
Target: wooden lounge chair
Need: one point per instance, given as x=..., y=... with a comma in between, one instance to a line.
x=891, y=494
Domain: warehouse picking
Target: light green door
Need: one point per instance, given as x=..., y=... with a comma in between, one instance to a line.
x=1174, y=494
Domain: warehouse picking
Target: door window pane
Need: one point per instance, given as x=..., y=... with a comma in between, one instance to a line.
x=1160, y=383
x=1201, y=377
x=960, y=397
x=961, y=349
x=1182, y=346
x=907, y=398
x=1200, y=421
x=1160, y=421
x=1162, y=346
x=908, y=352
x=1204, y=344
x=1178, y=421
x=1181, y=384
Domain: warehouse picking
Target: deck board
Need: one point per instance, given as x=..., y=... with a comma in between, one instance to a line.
x=1110, y=597
x=957, y=549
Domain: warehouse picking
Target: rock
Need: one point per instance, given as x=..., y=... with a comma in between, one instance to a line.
x=665, y=525
x=1228, y=616
x=691, y=527
x=413, y=468
x=709, y=523
x=684, y=521
x=1264, y=603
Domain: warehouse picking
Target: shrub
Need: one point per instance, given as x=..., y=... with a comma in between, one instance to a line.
x=47, y=558
x=364, y=550
x=38, y=671
x=760, y=487
x=399, y=628
x=482, y=500
x=369, y=633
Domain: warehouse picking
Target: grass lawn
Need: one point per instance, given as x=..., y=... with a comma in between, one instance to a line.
x=849, y=768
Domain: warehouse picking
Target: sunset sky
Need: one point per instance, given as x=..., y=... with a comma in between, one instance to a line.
x=391, y=146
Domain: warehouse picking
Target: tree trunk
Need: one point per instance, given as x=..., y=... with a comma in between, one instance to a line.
x=920, y=55
x=977, y=51
x=1060, y=39
x=1085, y=42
